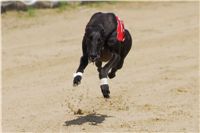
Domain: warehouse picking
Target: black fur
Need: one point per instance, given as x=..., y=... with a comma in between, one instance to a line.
x=100, y=44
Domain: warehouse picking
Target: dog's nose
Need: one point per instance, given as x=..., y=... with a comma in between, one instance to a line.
x=93, y=56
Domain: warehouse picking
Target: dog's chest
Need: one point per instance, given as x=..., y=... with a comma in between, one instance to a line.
x=105, y=55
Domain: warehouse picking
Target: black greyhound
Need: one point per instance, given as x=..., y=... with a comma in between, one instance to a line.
x=100, y=43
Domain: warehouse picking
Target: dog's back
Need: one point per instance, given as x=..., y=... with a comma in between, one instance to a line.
x=109, y=23
x=106, y=20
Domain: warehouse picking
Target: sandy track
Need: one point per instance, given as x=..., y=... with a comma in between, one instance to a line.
x=157, y=89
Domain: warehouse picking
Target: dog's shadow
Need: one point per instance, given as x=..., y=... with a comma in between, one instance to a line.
x=92, y=119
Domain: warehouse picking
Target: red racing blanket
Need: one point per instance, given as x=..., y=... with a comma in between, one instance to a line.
x=120, y=30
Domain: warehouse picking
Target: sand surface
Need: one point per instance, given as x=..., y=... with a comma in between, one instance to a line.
x=156, y=90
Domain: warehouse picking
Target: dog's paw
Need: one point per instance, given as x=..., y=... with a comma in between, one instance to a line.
x=77, y=80
x=105, y=91
x=111, y=75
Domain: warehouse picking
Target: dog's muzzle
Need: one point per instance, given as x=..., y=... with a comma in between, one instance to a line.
x=93, y=58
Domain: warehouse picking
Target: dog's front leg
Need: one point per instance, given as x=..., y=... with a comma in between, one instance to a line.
x=104, y=73
x=83, y=64
x=80, y=70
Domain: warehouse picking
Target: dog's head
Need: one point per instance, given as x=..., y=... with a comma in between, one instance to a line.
x=94, y=41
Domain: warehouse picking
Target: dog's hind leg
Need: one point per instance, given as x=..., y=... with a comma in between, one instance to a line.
x=112, y=74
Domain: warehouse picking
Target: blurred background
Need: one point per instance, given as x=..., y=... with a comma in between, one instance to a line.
x=25, y=5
